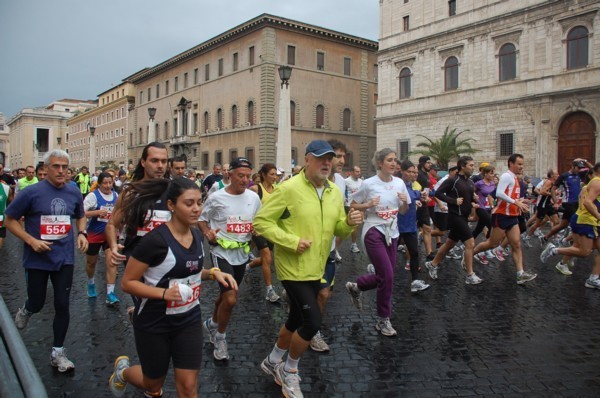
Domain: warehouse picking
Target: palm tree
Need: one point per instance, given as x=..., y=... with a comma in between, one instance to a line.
x=447, y=148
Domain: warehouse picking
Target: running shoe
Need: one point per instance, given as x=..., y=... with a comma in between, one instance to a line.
x=354, y=248
x=525, y=277
x=489, y=254
x=91, y=290
x=148, y=394
x=211, y=331
x=507, y=251
x=547, y=253
x=462, y=262
x=473, y=279
x=112, y=299
x=318, y=344
x=355, y=294
x=289, y=381
x=499, y=253
x=592, y=283
x=59, y=360
x=481, y=258
x=272, y=296
x=338, y=258
x=401, y=248
x=543, y=240
x=269, y=368
x=538, y=232
x=454, y=254
x=526, y=240
x=407, y=265
x=432, y=270
x=371, y=269
x=418, y=285
x=384, y=326
x=220, y=352
x=22, y=318
x=563, y=268
x=116, y=383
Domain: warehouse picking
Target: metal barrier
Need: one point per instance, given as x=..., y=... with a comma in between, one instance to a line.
x=19, y=376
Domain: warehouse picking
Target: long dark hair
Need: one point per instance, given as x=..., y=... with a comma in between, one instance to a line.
x=264, y=170
x=138, y=172
x=141, y=196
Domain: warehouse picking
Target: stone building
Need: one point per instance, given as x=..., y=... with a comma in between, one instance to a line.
x=522, y=76
x=220, y=99
x=111, y=124
x=35, y=131
x=4, y=141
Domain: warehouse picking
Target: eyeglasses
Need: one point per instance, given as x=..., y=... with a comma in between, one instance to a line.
x=59, y=166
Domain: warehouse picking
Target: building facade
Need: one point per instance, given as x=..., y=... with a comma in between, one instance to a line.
x=110, y=121
x=35, y=131
x=4, y=141
x=219, y=100
x=522, y=76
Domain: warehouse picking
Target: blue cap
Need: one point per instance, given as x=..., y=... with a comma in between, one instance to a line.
x=319, y=148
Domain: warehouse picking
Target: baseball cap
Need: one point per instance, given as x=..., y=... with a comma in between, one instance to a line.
x=319, y=148
x=240, y=162
x=280, y=171
x=579, y=164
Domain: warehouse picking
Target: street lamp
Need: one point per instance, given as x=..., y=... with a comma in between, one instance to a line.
x=151, y=125
x=284, y=131
x=92, y=165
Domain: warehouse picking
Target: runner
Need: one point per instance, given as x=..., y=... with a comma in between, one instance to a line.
x=165, y=273
x=301, y=218
x=505, y=217
x=423, y=221
x=459, y=193
x=545, y=209
x=585, y=225
x=177, y=167
x=222, y=183
x=49, y=208
x=98, y=207
x=382, y=197
x=29, y=179
x=6, y=196
x=353, y=183
x=226, y=223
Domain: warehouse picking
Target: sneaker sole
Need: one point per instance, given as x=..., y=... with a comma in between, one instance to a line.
x=268, y=372
x=62, y=370
x=385, y=334
x=591, y=286
x=525, y=281
x=567, y=273
x=220, y=359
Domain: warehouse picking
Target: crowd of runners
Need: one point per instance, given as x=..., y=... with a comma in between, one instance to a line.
x=160, y=222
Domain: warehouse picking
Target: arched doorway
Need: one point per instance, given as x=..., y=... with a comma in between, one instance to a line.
x=576, y=139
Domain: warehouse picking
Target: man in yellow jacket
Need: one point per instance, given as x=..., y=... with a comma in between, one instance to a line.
x=301, y=218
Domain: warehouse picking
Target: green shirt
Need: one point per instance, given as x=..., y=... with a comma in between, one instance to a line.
x=293, y=212
x=24, y=182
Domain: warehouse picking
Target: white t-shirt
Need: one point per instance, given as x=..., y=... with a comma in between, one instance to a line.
x=384, y=215
x=217, y=186
x=90, y=202
x=436, y=207
x=234, y=215
x=352, y=186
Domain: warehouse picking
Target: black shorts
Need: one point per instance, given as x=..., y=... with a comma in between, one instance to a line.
x=261, y=242
x=459, y=228
x=504, y=222
x=568, y=210
x=94, y=248
x=431, y=210
x=547, y=210
x=183, y=346
x=237, y=271
x=2, y=232
x=440, y=220
x=423, y=216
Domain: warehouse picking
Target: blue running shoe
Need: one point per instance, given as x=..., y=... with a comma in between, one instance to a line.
x=112, y=299
x=92, y=290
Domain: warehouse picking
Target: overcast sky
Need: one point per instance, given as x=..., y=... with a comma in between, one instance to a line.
x=79, y=48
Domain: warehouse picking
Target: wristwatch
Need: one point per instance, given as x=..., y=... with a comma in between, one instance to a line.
x=84, y=233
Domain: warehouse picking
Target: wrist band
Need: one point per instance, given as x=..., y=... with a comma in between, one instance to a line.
x=212, y=272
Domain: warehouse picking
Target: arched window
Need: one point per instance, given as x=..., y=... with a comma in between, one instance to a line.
x=507, y=58
x=405, y=83
x=346, y=119
x=251, y=113
x=451, y=74
x=234, y=117
x=292, y=113
x=220, y=119
x=577, y=47
x=205, y=122
x=320, y=117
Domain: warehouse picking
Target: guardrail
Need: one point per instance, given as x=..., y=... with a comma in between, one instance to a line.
x=19, y=376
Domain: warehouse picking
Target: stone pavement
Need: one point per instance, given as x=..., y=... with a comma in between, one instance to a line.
x=495, y=339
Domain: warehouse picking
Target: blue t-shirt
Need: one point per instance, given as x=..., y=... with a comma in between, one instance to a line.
x=44, y=199
x=408, y=221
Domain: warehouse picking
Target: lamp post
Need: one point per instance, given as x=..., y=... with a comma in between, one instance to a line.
x=151, y=125
x=92, y=165
x=283, y=158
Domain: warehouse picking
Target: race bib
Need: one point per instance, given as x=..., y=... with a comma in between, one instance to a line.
x=158, y=217
x=237, y=225
x=179, y=307
x=385, y=213
x=54, y=227
x=109, y=210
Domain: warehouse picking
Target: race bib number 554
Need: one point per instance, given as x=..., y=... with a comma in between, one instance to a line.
x=54, y=227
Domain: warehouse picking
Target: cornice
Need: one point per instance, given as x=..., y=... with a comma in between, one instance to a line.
x=100, y=110
x=260, y=22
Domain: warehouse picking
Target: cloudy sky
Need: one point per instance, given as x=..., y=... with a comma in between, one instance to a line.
x=78, y=48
